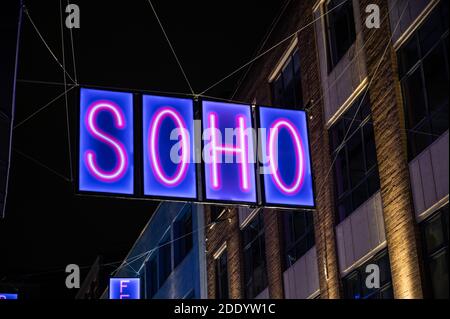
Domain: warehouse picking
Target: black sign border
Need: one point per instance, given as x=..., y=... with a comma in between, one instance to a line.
x=200, y=199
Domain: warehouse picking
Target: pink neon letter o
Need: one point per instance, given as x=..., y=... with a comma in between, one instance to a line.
x=154, y=153
x=300, y=162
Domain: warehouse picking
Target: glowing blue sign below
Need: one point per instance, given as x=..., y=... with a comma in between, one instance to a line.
x=286, y=157
x=106, y=142
x=228, y=154
x=124, y=288
x=168, y=135
x=8, y=296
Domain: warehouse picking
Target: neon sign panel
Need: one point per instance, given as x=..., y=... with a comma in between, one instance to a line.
x=169, y=126
x=285, y=149
x=124, y=288
x=160, y=149
x=8, y=296
x=106, y=142
x=222, y=174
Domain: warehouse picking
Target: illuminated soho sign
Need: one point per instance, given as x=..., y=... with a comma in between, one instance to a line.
x=148, y=146
x=228, y=158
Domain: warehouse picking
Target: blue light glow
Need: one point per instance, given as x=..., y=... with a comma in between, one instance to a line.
x=8, y=296
x=288, y=177
x=168, y=156
x=233, y=179
x=124, y=288
x=106, y=142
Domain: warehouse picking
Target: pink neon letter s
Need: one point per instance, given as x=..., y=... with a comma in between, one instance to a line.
x=122, y=159
x=300, y=163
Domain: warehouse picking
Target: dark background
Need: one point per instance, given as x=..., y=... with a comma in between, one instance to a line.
x=119, y=44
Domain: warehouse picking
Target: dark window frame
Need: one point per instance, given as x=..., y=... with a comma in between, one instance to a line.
x=222, y=292
x=183, y=234
x=294, y=87
x=190, y=295
x=297, y=245
x=330, y=10
x=250, y=272
x=425, y=131
x=151, y=276
x=360, y=275
x=351, y=196
x=442, y=215
x=215, y=212
x=166, y=247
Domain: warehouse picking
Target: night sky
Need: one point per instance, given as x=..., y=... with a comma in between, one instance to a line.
x=118, y=45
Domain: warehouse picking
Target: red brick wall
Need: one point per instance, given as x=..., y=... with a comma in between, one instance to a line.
x=256, y=86
x=226, y=231
x=274, y=252
x=388, y=118
x=390, y=137
x=324, y=220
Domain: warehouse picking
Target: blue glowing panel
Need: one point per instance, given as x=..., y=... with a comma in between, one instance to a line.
x=106, y=142
x=285, y=157
x=228, y=155
x=8, y=296
x=124, y=288
x=168, y=138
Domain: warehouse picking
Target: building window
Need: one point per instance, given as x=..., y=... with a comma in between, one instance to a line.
x=215, y=212
x=299, y=235
x=151, y=277
x=435, y=237
x=355, y=283
x=183, y=236
x=287, y=86
x=355, y=168
x=222, y=276
x=255, y=272
x=340, y=24
x=424, y=76
x=164, y=260
x=190, y=295
x=142, y=286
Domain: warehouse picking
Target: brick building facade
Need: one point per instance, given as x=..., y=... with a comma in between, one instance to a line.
x=378, y=123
